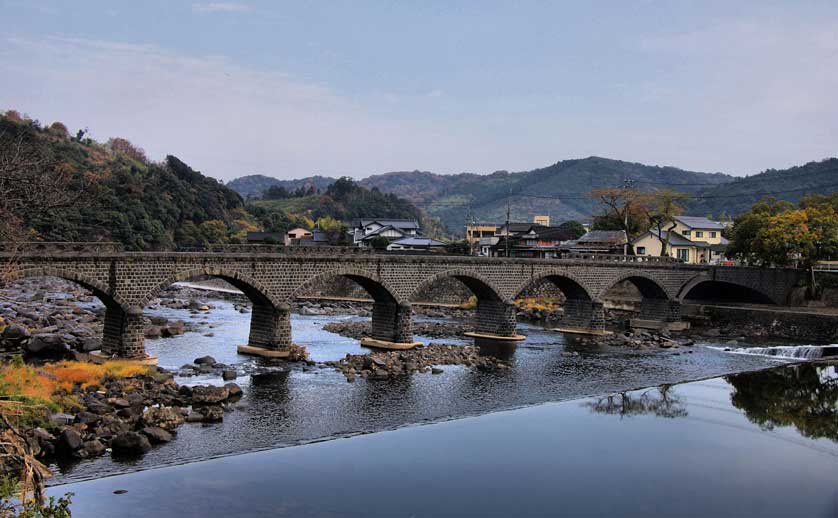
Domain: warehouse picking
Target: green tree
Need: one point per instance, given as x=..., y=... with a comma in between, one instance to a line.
x=663, y=206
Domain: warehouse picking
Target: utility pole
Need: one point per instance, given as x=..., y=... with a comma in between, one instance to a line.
x=508, y=201
x=627, y=184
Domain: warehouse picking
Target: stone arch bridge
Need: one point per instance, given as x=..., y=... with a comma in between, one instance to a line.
x=271, y=277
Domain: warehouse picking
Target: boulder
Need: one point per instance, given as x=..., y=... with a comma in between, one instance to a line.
x=204, y=360
x=166, y=417
x=209, y=395
x=16, y=333
x=228, y=375
x=156, y=435
x=153, y=332
x=47, y=344
x=234, y=391
x=69, y=440
x=130, y=443
x=87, y=418
x=212, y=413
x=94, y=448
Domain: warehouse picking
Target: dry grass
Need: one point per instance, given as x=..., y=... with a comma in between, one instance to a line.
x=538, y=303
x=51, y=383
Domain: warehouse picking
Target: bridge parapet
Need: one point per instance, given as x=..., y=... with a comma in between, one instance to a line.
x=60, y=248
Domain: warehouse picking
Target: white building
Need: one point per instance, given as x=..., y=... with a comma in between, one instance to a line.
x=365, y=230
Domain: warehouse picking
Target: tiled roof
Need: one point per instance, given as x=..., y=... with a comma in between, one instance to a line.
x=699, y=222
x=603, y=236
x=418, y=241
x=395, y=223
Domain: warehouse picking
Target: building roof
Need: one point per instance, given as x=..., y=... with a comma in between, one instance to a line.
x=560, y=233
x=699, y=222
x=489, y=241
x=405, y=224
x=381, y=230
x=676, y=239
x=418, y=241
x=262, y=236
x=613, y=237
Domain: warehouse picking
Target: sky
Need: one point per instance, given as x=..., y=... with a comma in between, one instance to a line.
x=293, y=89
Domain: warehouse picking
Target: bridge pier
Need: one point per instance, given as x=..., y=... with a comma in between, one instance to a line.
x=583, y=316
x=270, y=331
x=660, y=314
x=496, y=320
x=392, y=326
x=123, y=334
x=662, y=310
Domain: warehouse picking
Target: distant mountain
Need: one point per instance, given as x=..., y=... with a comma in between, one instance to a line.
x=791, y=184
x=252, y=186
x=559, y=190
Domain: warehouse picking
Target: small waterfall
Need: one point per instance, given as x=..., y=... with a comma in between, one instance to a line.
x=805, y=352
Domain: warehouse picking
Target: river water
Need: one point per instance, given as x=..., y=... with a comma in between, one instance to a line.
x=285, y=406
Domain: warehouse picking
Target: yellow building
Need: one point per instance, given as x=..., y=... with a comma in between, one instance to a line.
x=694, y=240
x=542, y=220
x=476, y=231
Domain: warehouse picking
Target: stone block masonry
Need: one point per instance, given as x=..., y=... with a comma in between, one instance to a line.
x=128, y=282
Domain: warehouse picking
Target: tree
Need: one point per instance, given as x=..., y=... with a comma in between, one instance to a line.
x=577, y=229
x=776, y=234
x=663, y=206
x=33, y=182
x=379, y=242
x=623, y=209
x=213, y=231
x=123, y=146
x=742, y=235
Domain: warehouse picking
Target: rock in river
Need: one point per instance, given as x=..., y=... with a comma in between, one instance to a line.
x=130, y=443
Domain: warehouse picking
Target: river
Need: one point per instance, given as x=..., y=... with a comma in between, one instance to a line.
x=509, y=424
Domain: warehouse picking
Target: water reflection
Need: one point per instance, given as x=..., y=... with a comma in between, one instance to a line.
x=663, y=401
x=803, y=396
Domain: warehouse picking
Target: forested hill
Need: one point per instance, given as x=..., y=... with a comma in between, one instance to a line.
x=791, y=184
x=252, y=186
x=121, y=196
x=558, y=190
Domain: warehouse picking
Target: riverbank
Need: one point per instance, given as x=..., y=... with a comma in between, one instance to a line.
x=654, y=452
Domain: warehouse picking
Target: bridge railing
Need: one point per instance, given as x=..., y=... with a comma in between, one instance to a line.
x=60, y=248
x=615, y=258
x=275, y=249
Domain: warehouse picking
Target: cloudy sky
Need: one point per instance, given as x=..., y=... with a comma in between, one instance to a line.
x=292, y=89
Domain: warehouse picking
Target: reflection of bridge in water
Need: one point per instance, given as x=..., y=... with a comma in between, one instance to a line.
x=271, y=277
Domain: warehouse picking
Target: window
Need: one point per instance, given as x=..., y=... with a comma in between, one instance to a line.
x=641, y=250
x=686, y=232
x=712, y=234
x=684, y=254
x=699, y=233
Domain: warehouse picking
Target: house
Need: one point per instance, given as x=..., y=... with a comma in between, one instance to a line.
x=707, y=245
x=365, y=230
x=599, y=242
x=417, y=243
x=293, y=236
x=476, y=232
x=537, y=241
x=315, y=238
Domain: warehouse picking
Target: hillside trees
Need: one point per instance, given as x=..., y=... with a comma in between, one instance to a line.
x=776, y=233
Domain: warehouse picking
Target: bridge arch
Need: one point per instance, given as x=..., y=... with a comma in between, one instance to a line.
x=253, y=289
x=99, y=290
x=391, y=316
x=376, y=288
x=495, y=315
x=648, y=286
x=704, y=288
x=571, y=286
x=480, y=285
